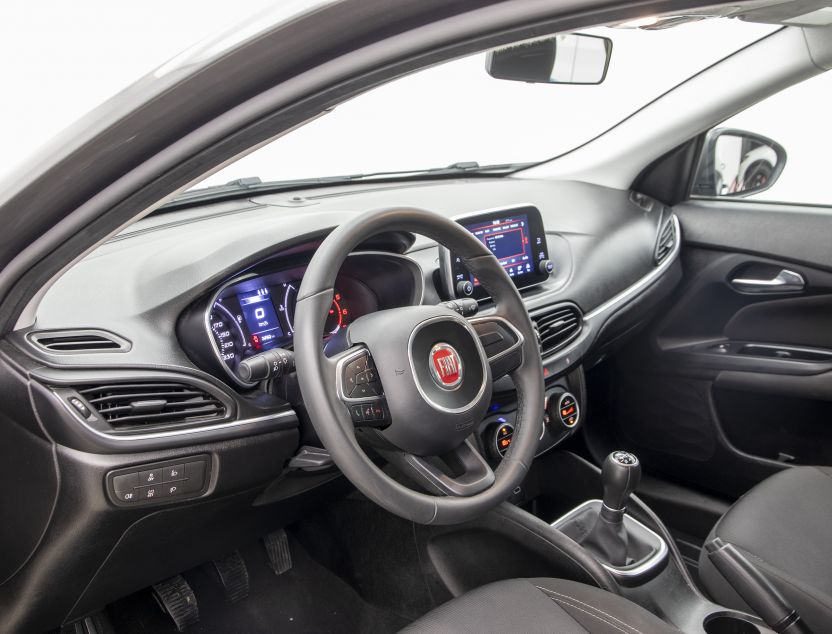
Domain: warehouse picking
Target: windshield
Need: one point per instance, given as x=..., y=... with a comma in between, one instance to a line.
x=456, y=112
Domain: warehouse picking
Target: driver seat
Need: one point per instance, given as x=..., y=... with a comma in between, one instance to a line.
x=539, y=606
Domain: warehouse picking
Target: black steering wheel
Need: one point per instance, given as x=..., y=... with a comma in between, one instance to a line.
x=415, y=381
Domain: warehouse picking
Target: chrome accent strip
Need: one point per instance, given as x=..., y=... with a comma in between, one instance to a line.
x=477, y=343
x=652, y=561
x=648, y=279
x=174, y=432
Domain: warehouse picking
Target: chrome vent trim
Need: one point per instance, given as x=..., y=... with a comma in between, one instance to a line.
x=84, y=341
x=556, y=326
x=133, y=404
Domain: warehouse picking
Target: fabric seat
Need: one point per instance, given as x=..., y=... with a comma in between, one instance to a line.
x=784, y=526
x=539, y=606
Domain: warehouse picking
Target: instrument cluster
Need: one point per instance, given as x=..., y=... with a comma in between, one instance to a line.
x=257, y=313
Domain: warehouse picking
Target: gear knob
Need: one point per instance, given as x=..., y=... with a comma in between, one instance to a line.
x=620, y=475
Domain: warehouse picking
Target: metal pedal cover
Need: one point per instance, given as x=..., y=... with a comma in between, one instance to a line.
x=178, y=601
x=277, y=547
x=232, y=574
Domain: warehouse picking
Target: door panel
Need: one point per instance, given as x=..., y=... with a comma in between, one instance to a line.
x=733, y=381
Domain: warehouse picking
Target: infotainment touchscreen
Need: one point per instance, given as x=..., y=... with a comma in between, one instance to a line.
x=518, y=241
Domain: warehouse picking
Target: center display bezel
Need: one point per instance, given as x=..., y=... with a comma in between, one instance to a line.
x=452, y=270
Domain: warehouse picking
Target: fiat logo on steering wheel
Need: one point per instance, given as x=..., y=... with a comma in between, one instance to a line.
x=445, y=366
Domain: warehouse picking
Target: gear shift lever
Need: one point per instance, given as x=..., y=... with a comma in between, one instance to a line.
x=607, y=539
x=620, y=473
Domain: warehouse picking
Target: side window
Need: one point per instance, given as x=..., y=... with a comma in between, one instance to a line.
x=778, y=150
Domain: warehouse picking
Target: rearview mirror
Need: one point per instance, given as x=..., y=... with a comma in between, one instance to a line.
x=571, y=58
x=737, y=163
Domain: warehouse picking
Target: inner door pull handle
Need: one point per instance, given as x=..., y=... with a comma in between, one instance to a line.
x=784, y=282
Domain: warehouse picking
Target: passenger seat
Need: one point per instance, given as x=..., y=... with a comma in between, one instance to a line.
x=784, y=526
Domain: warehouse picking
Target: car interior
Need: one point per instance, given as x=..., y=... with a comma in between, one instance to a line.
x=586, y=394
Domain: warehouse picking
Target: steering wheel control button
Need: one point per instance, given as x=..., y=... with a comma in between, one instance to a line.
x=446, y=366
x=161, y=481
x=360, y=380
x=356, y=413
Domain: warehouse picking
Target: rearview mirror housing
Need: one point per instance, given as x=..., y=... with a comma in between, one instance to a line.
x=571, y=58
x=736, y=163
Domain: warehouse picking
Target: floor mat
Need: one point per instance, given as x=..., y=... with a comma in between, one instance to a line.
x=308, y=598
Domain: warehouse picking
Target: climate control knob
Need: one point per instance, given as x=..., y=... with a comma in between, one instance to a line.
x=563, y=408
x=501, y=436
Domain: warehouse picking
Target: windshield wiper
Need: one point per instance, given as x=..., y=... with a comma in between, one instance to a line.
x=254, y=185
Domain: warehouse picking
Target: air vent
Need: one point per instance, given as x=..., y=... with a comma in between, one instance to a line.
x=556, y=326
x=78, y=341
x=667, y=238
x=125, y=405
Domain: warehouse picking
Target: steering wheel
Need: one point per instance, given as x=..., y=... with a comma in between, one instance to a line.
x=415, y=381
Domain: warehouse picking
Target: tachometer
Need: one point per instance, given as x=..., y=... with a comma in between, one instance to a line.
x=339, y=313
x=228, y=335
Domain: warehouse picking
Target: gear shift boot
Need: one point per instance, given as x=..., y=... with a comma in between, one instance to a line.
x=604, y=529
x=646, y=552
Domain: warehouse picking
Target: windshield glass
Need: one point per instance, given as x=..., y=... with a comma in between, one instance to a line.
x=456, y=112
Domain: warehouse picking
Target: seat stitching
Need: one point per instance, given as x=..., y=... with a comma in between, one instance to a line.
x=603, y=620
x=566, y=596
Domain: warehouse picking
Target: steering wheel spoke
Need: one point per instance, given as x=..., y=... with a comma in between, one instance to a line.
x=502, y=342
x=461, y=472
x=359, y=387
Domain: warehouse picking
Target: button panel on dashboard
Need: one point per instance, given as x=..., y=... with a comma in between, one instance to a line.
x=180, y=479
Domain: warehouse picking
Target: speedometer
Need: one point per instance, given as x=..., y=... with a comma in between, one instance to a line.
x=228, y=335
x=338, y=317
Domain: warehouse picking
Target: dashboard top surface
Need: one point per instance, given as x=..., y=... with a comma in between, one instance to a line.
x=138, y=284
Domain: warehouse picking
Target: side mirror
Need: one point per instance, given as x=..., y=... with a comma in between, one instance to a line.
x=736, y=163
x=571, y=58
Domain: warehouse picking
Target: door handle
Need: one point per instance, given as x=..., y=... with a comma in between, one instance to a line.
x=785, y=281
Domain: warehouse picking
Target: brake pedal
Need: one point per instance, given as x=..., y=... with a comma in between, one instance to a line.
x=178, y=601
x=232, y=574
x=277, y=547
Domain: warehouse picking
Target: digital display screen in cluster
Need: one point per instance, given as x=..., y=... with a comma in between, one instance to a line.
x=261, y=318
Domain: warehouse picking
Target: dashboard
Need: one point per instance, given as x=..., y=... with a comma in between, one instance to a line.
x=132, y=363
